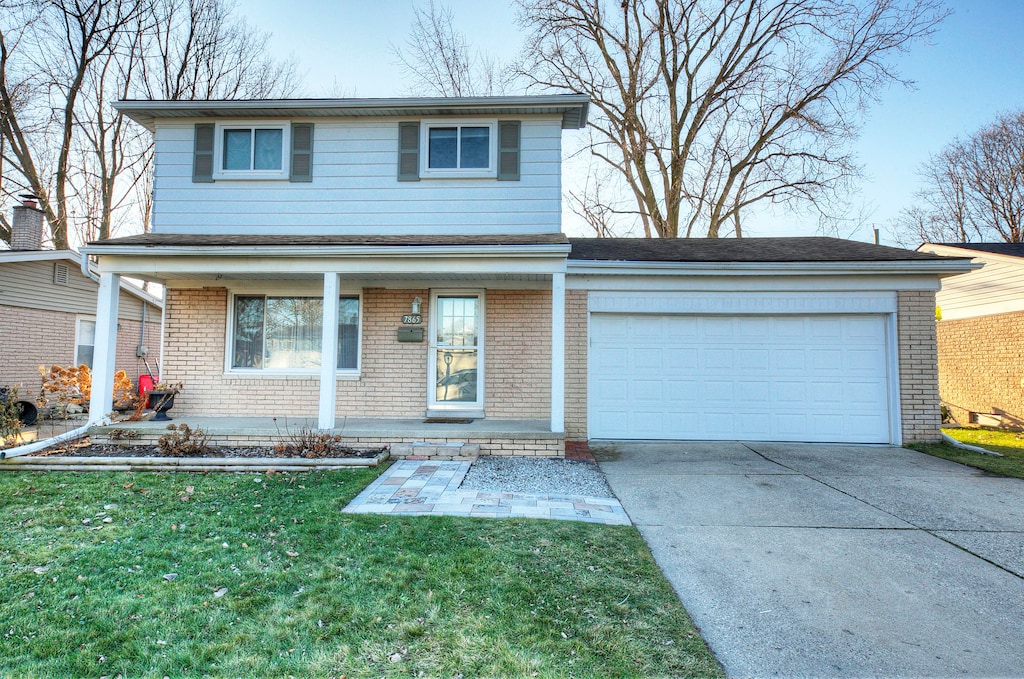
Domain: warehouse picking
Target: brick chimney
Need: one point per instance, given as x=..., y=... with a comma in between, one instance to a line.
x=27, y=225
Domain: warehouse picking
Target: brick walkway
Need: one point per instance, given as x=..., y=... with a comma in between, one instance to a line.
x=429, y=488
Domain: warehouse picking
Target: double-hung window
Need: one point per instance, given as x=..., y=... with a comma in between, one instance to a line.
x=85, y=341
x=284, y=334
x=459, y=149
x=251, y=151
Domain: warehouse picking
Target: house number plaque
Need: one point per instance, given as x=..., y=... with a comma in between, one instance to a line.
x=412, y=319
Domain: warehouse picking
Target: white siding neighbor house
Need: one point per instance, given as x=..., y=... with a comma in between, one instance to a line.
x=395, y=270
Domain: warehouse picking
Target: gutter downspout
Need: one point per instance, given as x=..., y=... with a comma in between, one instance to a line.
x=35, y=447
x=974, y=449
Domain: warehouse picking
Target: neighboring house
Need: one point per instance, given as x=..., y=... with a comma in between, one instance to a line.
x=48, y=311
x=981, y=334
x=432, y=229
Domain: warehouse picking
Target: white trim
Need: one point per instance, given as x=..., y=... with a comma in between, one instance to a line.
x=558, y=352
x=329, y=352
x=479, y=404
x=220, y=174
x=745, y=303
x=892, y=347
x=490, y=172
x=782, y=282
x=630, y=268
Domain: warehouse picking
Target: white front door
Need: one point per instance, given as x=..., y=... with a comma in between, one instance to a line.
x=455, y=364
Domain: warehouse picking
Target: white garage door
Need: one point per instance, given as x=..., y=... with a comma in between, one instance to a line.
x=764, y=378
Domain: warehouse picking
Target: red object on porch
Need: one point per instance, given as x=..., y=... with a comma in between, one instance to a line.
x=146, y=384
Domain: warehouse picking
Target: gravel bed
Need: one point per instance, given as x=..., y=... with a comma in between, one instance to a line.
x=545, y=476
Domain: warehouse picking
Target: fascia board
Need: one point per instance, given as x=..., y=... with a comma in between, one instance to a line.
x=937, y=267
x=389, y=251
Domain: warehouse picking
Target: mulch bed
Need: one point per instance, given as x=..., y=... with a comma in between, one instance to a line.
x=84, y=448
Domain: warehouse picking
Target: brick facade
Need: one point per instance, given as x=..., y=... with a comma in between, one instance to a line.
x=981, y=366
x=919, y=368
x=393, y=378
x=33, y=337
x=518, y=354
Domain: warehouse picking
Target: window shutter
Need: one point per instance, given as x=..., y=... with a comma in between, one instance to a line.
x=508, y=150
x=202, y=160
x=302, y=153
x=408, y=152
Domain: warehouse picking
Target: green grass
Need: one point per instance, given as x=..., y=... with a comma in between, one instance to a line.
x=314, y=592
x=1010, y=444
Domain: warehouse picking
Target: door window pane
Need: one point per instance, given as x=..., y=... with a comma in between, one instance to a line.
x=456, y=375
x=456, y=324
x=476, y=147
x=443, y=146
x=237, y=151
x=268, y=149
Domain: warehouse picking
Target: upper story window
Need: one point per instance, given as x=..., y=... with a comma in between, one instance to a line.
x=251, y=150
x=459, y=149
x=263, y=149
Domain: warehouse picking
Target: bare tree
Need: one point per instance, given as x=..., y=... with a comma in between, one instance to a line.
x=63, y=62
x=438, y=60
x=974, y=188
x=708, y=108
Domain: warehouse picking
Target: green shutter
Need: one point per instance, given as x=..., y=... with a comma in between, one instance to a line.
x=408, y=152
x=508, y=150
x=302, y=153
x=202, y=159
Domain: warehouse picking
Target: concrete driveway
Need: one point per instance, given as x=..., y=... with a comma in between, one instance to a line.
x=833, y=561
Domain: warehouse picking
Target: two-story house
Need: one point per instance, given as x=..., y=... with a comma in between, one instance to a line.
x=396, y=268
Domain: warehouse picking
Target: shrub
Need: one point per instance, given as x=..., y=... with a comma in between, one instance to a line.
x=182, y=441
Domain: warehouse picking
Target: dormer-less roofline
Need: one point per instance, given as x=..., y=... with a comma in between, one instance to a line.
x=572, y=107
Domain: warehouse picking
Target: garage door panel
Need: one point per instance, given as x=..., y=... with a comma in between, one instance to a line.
x=789, y=378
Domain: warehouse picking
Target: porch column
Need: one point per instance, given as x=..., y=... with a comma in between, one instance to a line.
x=101, y=401
x=329, y=353
x=558, y=352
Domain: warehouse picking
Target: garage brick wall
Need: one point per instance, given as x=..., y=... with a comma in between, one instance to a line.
x=576, y=365
x=981, y=365
x=919, y=370
x=393, y=376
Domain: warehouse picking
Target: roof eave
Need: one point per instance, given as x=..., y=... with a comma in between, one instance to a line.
x=945, y=267
x=574, y=108
x=302, y=251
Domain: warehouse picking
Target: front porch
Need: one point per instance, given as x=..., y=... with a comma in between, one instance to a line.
x=407, y=437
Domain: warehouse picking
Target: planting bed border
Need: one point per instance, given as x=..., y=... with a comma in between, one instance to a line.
x=70, y=463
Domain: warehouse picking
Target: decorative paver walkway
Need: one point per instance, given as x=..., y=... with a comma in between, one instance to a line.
x=429, y=488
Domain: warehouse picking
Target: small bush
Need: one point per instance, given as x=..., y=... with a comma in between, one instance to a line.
x=10, y=415
x=183, y=441
x=310, y=443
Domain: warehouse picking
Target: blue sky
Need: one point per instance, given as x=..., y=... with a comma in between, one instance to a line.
x=972, y=71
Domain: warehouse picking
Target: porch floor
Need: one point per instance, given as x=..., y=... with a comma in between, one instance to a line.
x=353, y=427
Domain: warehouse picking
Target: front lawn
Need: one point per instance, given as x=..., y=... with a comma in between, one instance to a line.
x=249, y=575
x=1010, y=444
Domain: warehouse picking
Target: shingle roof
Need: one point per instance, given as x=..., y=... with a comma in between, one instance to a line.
x=804, y=249
x=1010, y=249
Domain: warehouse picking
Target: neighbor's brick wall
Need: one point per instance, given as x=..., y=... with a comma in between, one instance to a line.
x=919, y=378
x=393, y=376
x=517, y=347
x=30, y=337
x=981, y=365
x=576, y=364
